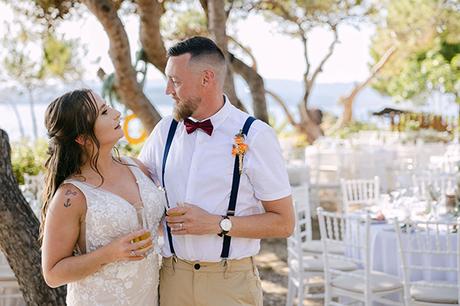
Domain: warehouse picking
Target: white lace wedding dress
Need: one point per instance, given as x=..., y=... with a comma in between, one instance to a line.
x=108, y=217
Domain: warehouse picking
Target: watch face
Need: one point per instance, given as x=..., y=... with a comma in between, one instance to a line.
x=226, y=224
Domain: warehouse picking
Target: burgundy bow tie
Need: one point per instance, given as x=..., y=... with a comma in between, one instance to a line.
x=191, y=126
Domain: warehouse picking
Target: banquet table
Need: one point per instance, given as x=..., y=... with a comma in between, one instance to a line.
x=384, y=251
x=386, y=258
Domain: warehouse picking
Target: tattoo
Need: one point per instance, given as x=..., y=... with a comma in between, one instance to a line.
x=70, y=192
x=67, y=203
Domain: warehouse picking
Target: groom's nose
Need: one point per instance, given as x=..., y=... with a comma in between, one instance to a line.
x=169, y=88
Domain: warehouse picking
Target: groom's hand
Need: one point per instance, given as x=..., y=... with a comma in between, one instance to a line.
x=192, y=220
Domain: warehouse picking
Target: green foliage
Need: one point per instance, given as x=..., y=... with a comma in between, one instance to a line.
x=59, y=58
x=33, y=53
x=427, y=33
x=127, y=149
x=109, y=88
x=27, y=157
x=306, y=14
x=179, y=24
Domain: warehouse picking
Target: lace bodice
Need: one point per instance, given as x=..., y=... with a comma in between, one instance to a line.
x=108, y=217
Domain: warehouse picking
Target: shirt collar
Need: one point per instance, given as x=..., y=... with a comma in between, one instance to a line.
x=218, y=118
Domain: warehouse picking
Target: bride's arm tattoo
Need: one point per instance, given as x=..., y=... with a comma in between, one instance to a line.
x=69, y=193
x=67, y=203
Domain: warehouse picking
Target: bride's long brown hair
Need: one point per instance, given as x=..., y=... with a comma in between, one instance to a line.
x=66, y=118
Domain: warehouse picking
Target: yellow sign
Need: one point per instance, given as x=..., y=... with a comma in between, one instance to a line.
x=133, y=140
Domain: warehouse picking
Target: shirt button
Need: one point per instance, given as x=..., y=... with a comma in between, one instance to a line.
x=197, y=266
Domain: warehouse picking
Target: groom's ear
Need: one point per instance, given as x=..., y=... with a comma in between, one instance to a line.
x=208, y=76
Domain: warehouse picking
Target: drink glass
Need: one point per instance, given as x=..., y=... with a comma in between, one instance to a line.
x=143, y=223
x=175, y=214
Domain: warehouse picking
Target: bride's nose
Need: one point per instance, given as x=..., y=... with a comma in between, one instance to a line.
x=117, y=115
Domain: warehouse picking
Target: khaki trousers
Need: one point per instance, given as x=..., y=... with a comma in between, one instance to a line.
x=225, y=283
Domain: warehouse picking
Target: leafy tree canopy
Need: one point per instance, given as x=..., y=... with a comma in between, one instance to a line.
x=427, y=33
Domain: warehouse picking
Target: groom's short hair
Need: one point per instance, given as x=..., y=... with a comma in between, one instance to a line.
x=203, y=51
x=197, y=46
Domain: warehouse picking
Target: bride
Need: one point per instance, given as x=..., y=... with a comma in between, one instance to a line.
x=90, y=227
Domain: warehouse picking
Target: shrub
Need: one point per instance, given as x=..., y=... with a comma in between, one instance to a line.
x=28, y=157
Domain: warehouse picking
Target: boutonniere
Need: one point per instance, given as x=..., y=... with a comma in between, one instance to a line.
x=239, y=148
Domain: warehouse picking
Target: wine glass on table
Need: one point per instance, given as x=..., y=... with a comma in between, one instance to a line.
x=434, y=193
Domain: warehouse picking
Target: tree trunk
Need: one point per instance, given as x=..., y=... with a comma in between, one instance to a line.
x=308, y=126
x=129, y=90
x=256, y=85
x=347, y=115
x=19, y=234
x=311, y=128
x=217, y=28
x=150, y=12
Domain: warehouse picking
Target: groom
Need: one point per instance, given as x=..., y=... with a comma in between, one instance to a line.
x=225, y=181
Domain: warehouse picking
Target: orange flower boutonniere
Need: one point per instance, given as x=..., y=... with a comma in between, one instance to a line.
x=239, y=148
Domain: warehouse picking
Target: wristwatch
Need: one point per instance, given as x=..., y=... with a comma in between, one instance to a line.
x=225, y=225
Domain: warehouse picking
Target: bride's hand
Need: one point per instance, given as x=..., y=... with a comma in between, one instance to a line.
x=124, y=248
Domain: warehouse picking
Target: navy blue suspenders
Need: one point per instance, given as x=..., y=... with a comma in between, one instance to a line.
x=172, y=131
x=233, y=193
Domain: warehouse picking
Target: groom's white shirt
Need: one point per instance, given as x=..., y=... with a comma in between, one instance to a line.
x=199, y=170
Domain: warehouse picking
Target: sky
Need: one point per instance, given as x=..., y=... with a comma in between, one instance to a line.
x=278, y=56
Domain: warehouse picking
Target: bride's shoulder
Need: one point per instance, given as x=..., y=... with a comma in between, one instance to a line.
x=68, y=197
x=139, y=164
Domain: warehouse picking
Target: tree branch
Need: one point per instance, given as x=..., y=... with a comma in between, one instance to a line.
x=375, y=70
x=129, y=91
x=305, y=51
x=319, y=69
x=310, y=81
x=347, y=101
x=204, y=5
x=246, y=50
x=217, y=28
x=281, y=103
x=256, y=85
x=150, y=12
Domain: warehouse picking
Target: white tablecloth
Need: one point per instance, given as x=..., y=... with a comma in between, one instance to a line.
x=386, y=258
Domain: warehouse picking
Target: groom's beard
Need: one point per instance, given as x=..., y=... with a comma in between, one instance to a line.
x=185, y=109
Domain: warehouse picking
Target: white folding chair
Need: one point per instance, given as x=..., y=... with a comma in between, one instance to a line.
x=359, y=193
x=325, y=169
x=303, y=211
x=306, y=267
x=438, y=181
x=362, y=285
x=430, y=261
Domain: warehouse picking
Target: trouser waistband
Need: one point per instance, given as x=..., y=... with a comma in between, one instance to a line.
x=226, y=265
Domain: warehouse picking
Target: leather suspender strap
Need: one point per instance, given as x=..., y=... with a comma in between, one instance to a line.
x=234, y=191
x=172, y=130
